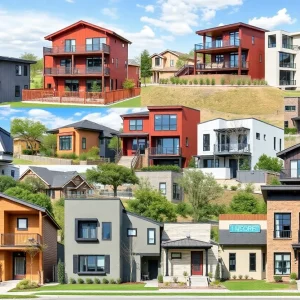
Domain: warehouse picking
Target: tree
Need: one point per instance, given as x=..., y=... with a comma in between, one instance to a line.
x=28, y=130
x=111, y=174
x=61, y=272
x=128, y=84
x=244, y=203
x=192, y=163
x=268, y=163
x=146, y=65
x=6, y=182
x=96, y=87
x=201, y=189
x=49, y=143
x=184, y=59
x=115, y=144
x=34, y=68
x=151, y=203
x=59, y=215
x=35, y=183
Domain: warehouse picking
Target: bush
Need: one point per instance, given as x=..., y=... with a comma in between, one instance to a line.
x=185, y=273
x=246, y=277
x=277, y=278
x=210, y=275
x=195, y=81
x=175, y=279
x=25, y=284
x=69, y=156
x=97, y=281
x=184, y=209
x=177, y=80
x=105, y=281
x=61, y=272
x=162, y=168
x=213, y=81
x=275, y=181
x=190, y=82
x=222, y=81
x=185, y=81
x=89, y=281
x=167, y=284
x=181, y=81
x=217, y=272
x=80, y=281
x=128, y=84
x=290, y=130
x=216, y=283
x=72, y=280
x=249, y=82
x=172, y=79
x=160, y=278
x=243, y=81
x=181, y=283
x=83, y=156
x=240, y=277
x=293, y=282
x=234, y=277
x=249, y=188
x=255, y=82
x=112, y=281
x=27, y=151
x=232, y=82
x=119, y=281
x=207, y=81
x=233, y=188
x=201, y=81
x=293, y=276
x=239, y=82
x=225, y=186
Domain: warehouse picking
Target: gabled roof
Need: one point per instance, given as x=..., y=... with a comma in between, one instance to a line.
x=84, y=23
x=31, y=205
x=143, y=218
x=89, y=125
x=6, y=141
x=282, y=153
x=176, y=53
x=186, y=243
x=18, y=60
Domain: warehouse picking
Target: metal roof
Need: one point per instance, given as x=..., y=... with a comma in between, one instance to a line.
x=19, y=60
x=287, y=150
x=186, y=243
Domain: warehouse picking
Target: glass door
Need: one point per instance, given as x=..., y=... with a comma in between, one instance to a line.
x=19, y=265
x=234, y=59
x=295, y=168
x=234, y=39
x=66, y=66
x=93, y=65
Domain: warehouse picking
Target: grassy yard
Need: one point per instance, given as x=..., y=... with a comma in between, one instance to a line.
x=17, y=296
x=256, y=285
x=291, y=93
x=18, y=161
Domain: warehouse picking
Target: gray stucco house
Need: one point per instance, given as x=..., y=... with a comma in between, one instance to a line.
x=14, y=78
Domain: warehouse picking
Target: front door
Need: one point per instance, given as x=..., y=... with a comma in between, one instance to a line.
x=197, y=263
x=19, y=265
x=233, y=167
x=153, y=269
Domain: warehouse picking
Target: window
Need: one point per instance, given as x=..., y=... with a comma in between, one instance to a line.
x=123, y=45
x=112, y=60
x=260, y=58
x=94, y=86
x=286, y=124
x=18, y=70
x=257, y=136
x=234, y=38
x=172, y=63
x=70, y=45
x=206, y=142
x=87, y=229
x=83, y=143
x=167, y=146
x=290, y=108
x=165, y=122
x=176, y=192
x=274, y=143
x=91, y=263
x=282, y=226
x=163, y=188
x=186, y=141
x=279, y=144
x=157, y=61
x=282, y=263
x=136, y=125
x=25, y=87
x=287, y=41
x=232, y=261
x=265, y=137
x=151, y=236
x=117, y=62
x=25, y=70
x=286, y=60
x=49, y=85
x=65, y=142
x=219, y=58
x=264, y=262
x=17, y=91
x=106, y=231
x=253, y=40
x=2, y=172
x=131, y=232
x=12, y=173
x=22, y=223
x=252, y=262
x=94, y=44
x=175, y=255
x=210, y=163
x=286, y=77
x=272, y=41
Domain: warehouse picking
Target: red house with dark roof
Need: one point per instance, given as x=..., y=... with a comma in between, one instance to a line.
x=237, y=48
x=166, y=134
x=82, y=54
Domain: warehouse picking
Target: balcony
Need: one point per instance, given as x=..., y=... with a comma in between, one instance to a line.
x=290, y=174
x=282, y=234
x=218, y=45
x=287, y=65
x=78, y=49
x=289, y=46
x=287, y=82
x=83, y=71
x=222, y=66
x=165, y=151
x=232, y=148
x=20, y=239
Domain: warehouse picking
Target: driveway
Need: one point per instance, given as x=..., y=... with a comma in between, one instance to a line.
x=5, y=286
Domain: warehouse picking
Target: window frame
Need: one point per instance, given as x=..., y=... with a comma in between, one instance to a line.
x=286, y=124
x=77, y=231
x=206, y=143
x=148, y=230
x=176, y=191
x=257, y=135
x=216, y=165
x=274, y=143
x=232, y=270
x=160, y=190
x=131, y=235
x=18, y=70
x=91, y=272
x=17, y=91
x=253, y=256
x=175, y=254
x=25, y=71
x=290, y=108
x=70, y=137
x=19, y=228
x=282, y=230
x=160, y=126
x=110, y=231
x=135, y=126
x=282, y=254
x=83, y=143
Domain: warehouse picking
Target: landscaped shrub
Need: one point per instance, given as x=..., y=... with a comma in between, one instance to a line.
x=210, y=275
x=25, y=284
x=185, y=81
x=290, y=130
x=293, y=282
x=293, y=276
x=249, y=82
x=249, y=188
x=239, y=82
x=207, y=81
x=181, y=81
x=160, y=278
x=222, y=81
x=72, y=280
x=232, y=82
x=105, y=281
x=112, y=281
x=166, y=80
x=255, y=82
x=185, y=273
x=80, y=281
x=277, y=278
x=177, y=80
x=240, y=277
x=190, y=82
x=201, y=81
x=173, y=80
x=175, y=279
x=184, y=209
x=27, y=152
x=162, y=168
x=217, y=272
x=83, y=156
x=97, y=281
x=243, y=81
x=69, y=156
x=234, y=277
x=89, y=281
x=275, y=181
x=61, y=272
x=213, y=81
x=119, y=281
x=246, y=277
x=181, y=283
x=233, y=187
x=167, y=283
x=195, y=81
x=128, y=84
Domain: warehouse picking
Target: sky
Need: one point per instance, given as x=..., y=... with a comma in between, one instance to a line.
x=154, y=25
x=57, y=117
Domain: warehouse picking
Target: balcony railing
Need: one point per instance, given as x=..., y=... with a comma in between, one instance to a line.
x=289, y=46
x=163, y=151
x=20, y=239
x=290, y=174
x=234, y=148
x=287, y=82
x=287, y=65
x=77, y=49
x=282, y=234
x=77, y=71
x=217, y=44
x=222, y=65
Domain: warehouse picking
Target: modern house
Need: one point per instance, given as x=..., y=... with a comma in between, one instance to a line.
x=81, y=136
x=60, y=184
x=164, y=65
x=24, y=225
x=21, y=144
x=226, y=145
x=134, y=71
x=83, y=54
x=292, y=113
x=237, y=48
x=14, y=77
x=163, y=135
x=243, y=245
x=283, y=59
x=106, y=240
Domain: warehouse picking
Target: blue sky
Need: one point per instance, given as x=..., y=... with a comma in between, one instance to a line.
x=56, y=117
x=150, y=24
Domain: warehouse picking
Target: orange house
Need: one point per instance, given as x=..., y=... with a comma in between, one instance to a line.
x=24, y=225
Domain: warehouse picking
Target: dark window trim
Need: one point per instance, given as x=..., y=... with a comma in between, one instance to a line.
x=131, y=229
x=83, y=143
x=135, y=126
x=257, y=135
x=17, y=91
x=104, y=239
x=282, y=253
x=290, y=106
x=86, y=240
x=161, y=123
x=25, y=73
x=250, y=262
x=264, y=262
x=22, y=229
x=148, y=230
x=233, y=270
x=180, y=255
x=91, y=272
x=71, y=142
x=274, y=232
x=274, y=142
x=206, y=147
x=18, y=66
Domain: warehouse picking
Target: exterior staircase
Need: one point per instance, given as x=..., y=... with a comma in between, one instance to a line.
x=126, y=161
x=185, y=70
x=199, y=281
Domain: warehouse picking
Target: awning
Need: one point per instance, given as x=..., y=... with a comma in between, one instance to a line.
x=186, y=243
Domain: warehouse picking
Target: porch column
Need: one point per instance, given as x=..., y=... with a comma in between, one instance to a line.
x=204, y=47
x=206, y=260
x=195, y=61
x=167, y=262
x=240, y=54
x=72, y=64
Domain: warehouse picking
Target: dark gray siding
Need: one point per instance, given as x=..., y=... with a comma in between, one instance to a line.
x=229, y=238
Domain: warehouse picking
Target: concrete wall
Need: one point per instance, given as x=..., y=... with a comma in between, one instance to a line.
x=218, y=173
x=252, y=176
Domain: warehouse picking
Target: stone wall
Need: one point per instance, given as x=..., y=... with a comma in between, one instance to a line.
x=46, y=160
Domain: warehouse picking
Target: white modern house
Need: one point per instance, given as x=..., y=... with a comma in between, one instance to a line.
x=225, y=146
x=282, y=52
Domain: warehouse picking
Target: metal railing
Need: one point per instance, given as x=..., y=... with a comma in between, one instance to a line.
x=77, y=71
x=77, y=49
x=218, y=44
x=136, y=159
x=287, y=82
x=289, y=46
x=290, y=174
x=122, y=194
x=283, y=64
x=118, y=155
x=240, y=148
x=223, y=65
x=165, y=151
x=282, y=234
x=20, y=239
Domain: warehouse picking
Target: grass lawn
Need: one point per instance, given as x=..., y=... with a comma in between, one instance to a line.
x=291, y=93
x=259, y=285
x=18, y=161
x=17, y=296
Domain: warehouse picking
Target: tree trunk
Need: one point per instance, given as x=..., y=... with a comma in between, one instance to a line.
x=144, y=81
x=115, y=191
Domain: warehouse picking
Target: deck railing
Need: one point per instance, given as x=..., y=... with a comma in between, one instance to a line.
x=20, y=239
x=75, y=49
x=77, y=71
x=218, y=44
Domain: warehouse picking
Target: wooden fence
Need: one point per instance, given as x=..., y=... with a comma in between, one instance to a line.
x=49, y=95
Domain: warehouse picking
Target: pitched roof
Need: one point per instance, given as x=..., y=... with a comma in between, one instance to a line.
x=81, y=22
x=287, y=150
x=20, y=60
x=186, y=243
x=177, y=53
x=133, y=62
x=6, y=141
x=143, y=218
x=89, y=125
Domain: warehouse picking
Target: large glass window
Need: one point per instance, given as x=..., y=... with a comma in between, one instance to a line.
x=151, y=236
x=139, y=144
x=234, y=38
x=71, y=85
x=234, y=60
x=106, y=231
x=232, y=261
x=211, y=163
x=286, y=77
x=272, y=41
x=219, y=58
x=70, y=45
x=176, y=191
x=252, y=262
x=206, y=142
x=165, y=122
x=282, y=263
x=87, y=230
x=136, y=125
x=167, y=146
x=65, y=142
x=94, y=44
x=93, y=65
x=282, y=226
x=287, y=42
x=91, y=263
x=286, y=60
x=219, y=43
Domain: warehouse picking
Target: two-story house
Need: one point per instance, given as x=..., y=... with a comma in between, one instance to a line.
x=165, y=135
x=237, y=48
x=292, y=113
x=282, y=59
x=59, y=184
x=24, y=225
x=81, y=136
x=225, y=145
x=14, y=78
x=84, y=54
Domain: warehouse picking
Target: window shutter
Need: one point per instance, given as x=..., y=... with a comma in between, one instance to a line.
x=107, y=264
x=75, y=264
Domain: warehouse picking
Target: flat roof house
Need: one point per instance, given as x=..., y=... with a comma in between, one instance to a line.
x=14, y=77
x=292, y=113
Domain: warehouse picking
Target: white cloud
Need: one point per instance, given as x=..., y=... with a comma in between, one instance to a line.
x=147, y=8
x=7, y=111
x=78, y=114
x=70, y=1
x=110, y=12
x=221, y=24
x=168, y=38
x=281, y=18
